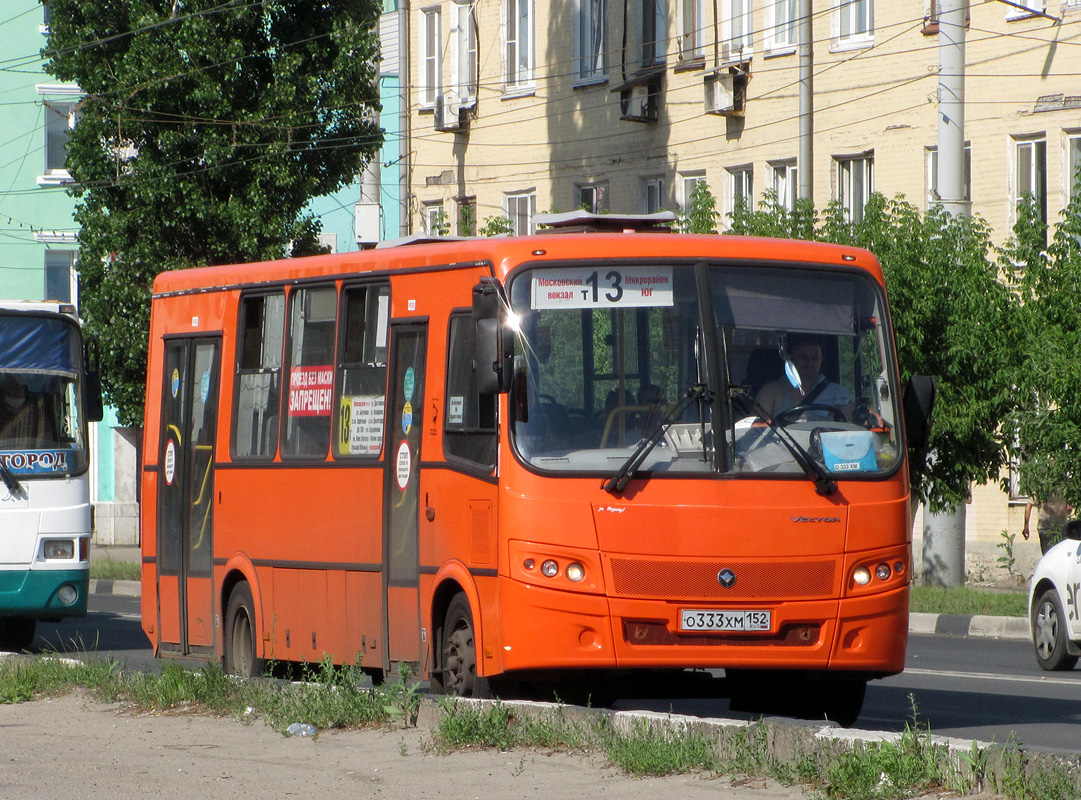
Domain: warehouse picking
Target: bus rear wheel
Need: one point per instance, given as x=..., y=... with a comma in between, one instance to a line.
x=17, y=633
x=458, y=654
x=239, y=641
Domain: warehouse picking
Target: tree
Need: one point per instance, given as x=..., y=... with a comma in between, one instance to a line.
x=954, y=318
x=205, y=128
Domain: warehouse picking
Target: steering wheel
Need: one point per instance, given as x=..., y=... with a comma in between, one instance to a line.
x=791, y=414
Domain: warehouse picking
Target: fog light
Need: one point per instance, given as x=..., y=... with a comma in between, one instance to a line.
x=549, y=569
x=59, y=549
x=575, y=572
x=67, y=594
x=862, y=576
x=529, y=563
x=882, y=572
x=899, y=567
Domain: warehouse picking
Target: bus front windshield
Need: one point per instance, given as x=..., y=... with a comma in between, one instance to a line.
x=42, y=426
x=708, y=369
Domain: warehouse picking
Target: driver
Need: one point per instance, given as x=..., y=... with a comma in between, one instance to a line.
x=815, y=389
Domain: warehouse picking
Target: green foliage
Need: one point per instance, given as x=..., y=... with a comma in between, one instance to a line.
x=496, y=226
x=403, y=697
x=203, y=132
x=964, y=600
x=701, y=215
x=1007, y=559
x=467, y=220
x=953, y=317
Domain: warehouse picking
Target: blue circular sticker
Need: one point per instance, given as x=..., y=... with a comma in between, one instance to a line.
x=407, y=417
x=410, y=383
x=174, y=384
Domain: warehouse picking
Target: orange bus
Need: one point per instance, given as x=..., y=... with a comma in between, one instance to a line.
x=533, y=457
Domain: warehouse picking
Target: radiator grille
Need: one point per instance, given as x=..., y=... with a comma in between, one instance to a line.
x=781, y=580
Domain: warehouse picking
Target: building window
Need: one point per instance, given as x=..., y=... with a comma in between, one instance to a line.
x=1030, y=176
x=467, y=216
x=1022, y=9
x=519, y=27
x=782, y=24
x=933, y=195
x=431, y=83
x=60, y=118
x=741, y=186
x=464, y=37
x=855, y=21
x=692, y=36
x=688, y=181
x=654, y=31
x=592, y=197
x=855, y=182
x=737, y=29
x=652, y=198
x=435, y=220
x=785, y=182
x=60, y=276
x=1073, y=160
x=592, y=42
x=521, y=207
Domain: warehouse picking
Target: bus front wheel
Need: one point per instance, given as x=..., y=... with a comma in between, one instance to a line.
x=239, y=637
x=458, y=653
x=17, y=633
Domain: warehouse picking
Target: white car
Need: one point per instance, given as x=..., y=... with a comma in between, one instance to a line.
x=1054, y=602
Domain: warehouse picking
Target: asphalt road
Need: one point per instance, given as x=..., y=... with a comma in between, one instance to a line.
x=963, y=687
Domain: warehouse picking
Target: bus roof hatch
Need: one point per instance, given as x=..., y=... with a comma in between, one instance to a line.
x=588, y=222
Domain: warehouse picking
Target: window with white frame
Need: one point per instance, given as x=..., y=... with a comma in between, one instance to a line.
x=933, y=195
x=592, y=41
x=60, y=281
x=435, y=219
x=651, y=198
x=519, y=38
x=60, y=118
x=688, y=181
x=740, y=186
x=855, y=21
x=654, y=30
x=736, y=28
x=785, y=182
x=692, y=30
x=520, y=208
x=1073, y=164
x=782, y=24
x=1030, y=173
x=1022, y=9
x=464, y=57
x=431, y=83
x=592, y=197
x=855, y=182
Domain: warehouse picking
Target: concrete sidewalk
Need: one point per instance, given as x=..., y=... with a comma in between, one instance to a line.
x=950, y=624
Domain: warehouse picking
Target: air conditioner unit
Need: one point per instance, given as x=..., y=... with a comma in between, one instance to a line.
x=449, y=115
x=726, y=92
x=639, y=103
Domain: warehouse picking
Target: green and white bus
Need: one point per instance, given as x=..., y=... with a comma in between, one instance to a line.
x=47, y=397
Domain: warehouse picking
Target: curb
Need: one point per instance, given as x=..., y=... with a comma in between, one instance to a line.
x=976, y=626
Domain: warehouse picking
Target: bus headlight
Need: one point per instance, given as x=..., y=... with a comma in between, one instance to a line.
x=63, y=549
x=575, y=572
x=67, y=594
x=550, y=568
x=862, y=576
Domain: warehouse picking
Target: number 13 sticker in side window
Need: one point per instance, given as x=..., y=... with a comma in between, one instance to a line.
x=602, y=287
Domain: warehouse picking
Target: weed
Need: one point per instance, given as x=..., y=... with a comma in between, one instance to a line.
x=1007, y=560
x=402, y=698
x=650, y=750
x=466, y=724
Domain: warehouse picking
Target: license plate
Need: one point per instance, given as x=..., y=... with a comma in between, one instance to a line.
x=698, y=620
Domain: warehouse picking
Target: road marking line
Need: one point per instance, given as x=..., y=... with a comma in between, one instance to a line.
x=987, y=676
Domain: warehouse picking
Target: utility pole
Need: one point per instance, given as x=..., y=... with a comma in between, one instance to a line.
x=805, y=161
x=944, y=533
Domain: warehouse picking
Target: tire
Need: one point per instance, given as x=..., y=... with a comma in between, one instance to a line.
x=842, y=701
x=17, y=633
x=1049, y=634
x=238, y=640
x=458, y=653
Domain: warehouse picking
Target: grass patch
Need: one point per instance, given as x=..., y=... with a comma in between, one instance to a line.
x=106, y=569
x=965, y=600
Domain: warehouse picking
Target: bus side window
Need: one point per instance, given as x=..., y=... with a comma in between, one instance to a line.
x=469, y=431
x=258, y=392
x=362, y=371
x=312, y=314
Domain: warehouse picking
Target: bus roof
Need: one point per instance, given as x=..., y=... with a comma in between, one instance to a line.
x=505, y=253
x=50, y=306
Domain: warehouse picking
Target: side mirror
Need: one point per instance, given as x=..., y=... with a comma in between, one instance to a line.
x=95, y=409
x=1072, y=530
x=919, y=405
x=492, y=356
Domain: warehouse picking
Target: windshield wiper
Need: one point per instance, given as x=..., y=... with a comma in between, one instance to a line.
x=10, y=480
x=618, y=482
x=824, y=484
